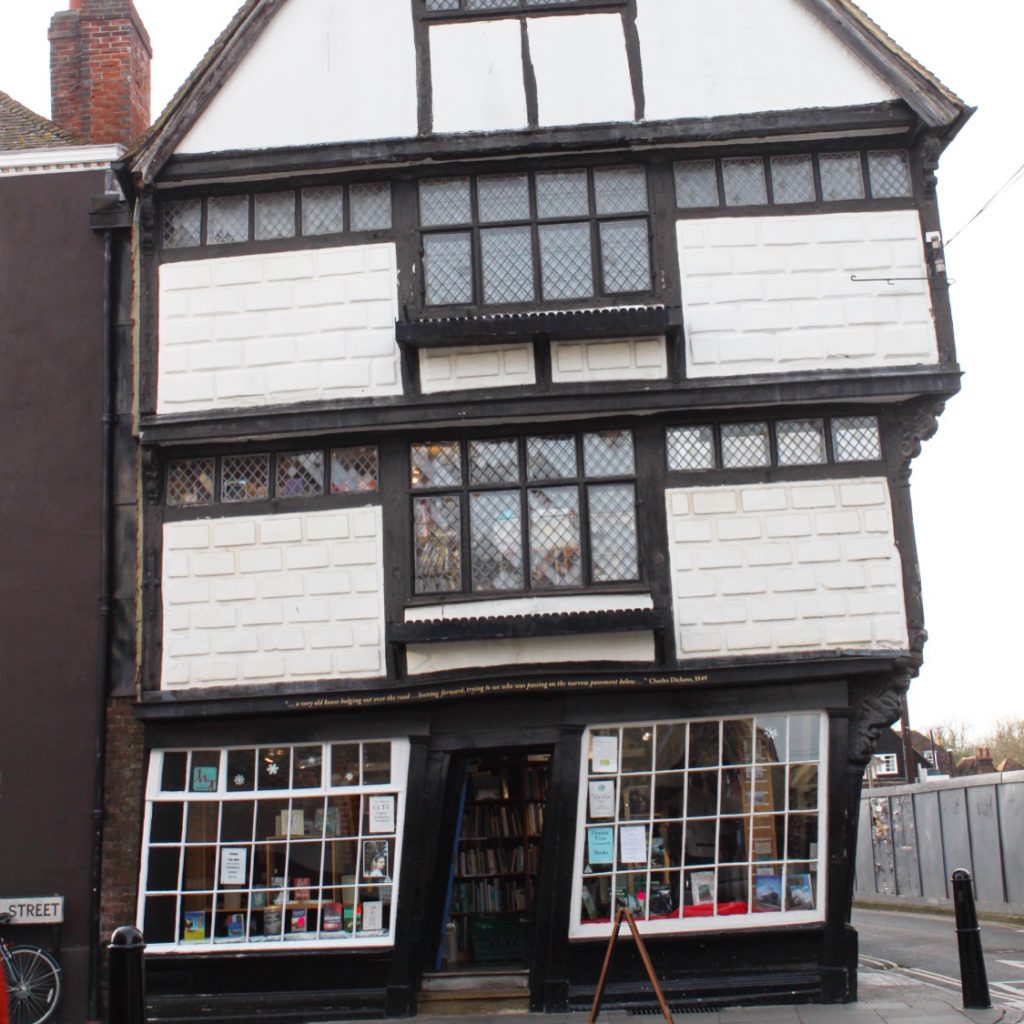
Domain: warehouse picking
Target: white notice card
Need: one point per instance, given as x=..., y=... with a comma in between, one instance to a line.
x=382, y=814
x=633, y=844
x=602, y=798
x=232, y=865
x=604, y=753
x=373, y=916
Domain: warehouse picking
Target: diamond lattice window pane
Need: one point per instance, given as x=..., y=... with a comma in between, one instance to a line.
x=448, y=269
x=506, y=256
x=696, y=184
x=613, y=546
x=442, y=5
x=503, y=198
x=625, y=256
x=493, y=462
x=565, y=260
x=745, y=444
x=562, y=194
x=190, y=482
x=555, y=556
x=490, y=5
x=300, y=475
x=445, y=201
x=620, y=190
x=245, y=478
x=841, y=176
x=437, y=528
x=800, y=442
x=227, y=219
x=353, y=469
x=323, y=210
x=551, y=458
x=691, y=448
x=370, y=206
x=438, y=464
x=608, y=453
x=744, y=182
x=890, y=175
x=792, y=179
x=182, y=223
x=275, y=215
x=856, y=439
x=496, y=536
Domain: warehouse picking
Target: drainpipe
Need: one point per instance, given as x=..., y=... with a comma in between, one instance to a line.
x=106, y=617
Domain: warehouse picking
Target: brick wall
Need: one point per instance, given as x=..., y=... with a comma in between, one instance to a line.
x=777, y=568
x=625, y=359
x=269, y=599
x=278, y=328
x=99, y=71
x=462, y=369
x=775, y=295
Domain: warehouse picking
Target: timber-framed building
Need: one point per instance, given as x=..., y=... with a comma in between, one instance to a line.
x=526, y=392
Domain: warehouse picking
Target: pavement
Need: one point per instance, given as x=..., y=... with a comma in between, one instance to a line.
x=887, y=996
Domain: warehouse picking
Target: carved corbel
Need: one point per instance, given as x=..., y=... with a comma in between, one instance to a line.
x=147, y=223
x=931, y=150
x=918, y=422
x=877, y=707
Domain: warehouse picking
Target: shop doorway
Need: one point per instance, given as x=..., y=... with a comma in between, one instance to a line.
x=493, y=876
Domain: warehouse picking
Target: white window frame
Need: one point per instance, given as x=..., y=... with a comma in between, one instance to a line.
x=579, y=929
x=886, y=765
x=286, y=942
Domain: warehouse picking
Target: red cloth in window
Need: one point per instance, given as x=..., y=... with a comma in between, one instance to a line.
x=3, y=998
x=708, y=909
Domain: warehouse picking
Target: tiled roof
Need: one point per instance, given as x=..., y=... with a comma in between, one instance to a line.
x=20, y=128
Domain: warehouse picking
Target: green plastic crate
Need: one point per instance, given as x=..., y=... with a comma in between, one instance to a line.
x=499, y=937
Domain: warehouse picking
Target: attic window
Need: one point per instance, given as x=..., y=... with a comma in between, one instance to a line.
x=447, y=6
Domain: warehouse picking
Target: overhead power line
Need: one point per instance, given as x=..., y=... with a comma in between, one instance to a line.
x=1010, y=182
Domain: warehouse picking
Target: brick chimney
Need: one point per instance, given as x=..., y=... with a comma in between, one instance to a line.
x=99, y=71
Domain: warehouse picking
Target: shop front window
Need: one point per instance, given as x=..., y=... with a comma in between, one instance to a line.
x=702, y=824
x=272, y=846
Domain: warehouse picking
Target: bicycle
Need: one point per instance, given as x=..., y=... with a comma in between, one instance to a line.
x=32, y=977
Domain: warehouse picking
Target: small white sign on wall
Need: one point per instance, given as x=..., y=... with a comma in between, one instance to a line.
x=33, y=909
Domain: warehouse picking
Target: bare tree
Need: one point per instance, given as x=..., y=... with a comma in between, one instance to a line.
x=1006, y=740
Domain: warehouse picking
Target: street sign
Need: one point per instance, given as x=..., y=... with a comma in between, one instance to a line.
x=34, y=909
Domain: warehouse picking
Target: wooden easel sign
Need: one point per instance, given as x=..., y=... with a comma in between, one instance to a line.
x=625, y=915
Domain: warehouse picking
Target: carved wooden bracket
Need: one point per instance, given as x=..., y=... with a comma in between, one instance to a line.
x=877, y=707
x=918, y=422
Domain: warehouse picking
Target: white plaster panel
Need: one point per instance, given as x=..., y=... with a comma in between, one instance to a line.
x=561, y=604
x=274, y=598
x=450, y=657
x=476, y=71
x=776, y=295
x=581, y=68
x=778, y=568
x=322, y=71
x=278, y=328
x=581, y=362
x=703, y=58
x=468, y=367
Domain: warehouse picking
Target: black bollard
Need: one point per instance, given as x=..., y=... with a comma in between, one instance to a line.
x=973, y=978
x=127, y=994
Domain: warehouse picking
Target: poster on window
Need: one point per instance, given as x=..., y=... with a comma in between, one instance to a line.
x=233, y=865
x=600, y=846
x=602, y=798
x=633, y=844
x=382, y=814
x=604, y=754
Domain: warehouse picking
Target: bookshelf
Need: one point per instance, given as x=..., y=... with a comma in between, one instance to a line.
x=497, y=859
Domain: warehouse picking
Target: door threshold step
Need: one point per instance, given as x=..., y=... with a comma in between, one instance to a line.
x=476, y=982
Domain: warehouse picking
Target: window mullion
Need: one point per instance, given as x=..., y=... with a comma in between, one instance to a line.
x=538, y=280
x=464, y=503
x=524, y=513
x=596, y=258
x=586, y=551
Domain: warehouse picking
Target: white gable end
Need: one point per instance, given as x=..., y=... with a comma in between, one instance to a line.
x=707, y=58
x=322, y=71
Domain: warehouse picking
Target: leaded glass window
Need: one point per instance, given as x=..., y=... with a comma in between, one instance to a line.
x=227, y=219
x=856, y=439
x=696, y=184
x=323, y=210
x=245, y=478
x=544, y=512
x=691, y=448
x=800, y=442
x=182, y=223
x=190, y=481
x=889, y=172
x=275, y=215
x=745, y=444
x=792, y=179
x=744, y=181
x=841, y=176
x=499, y=240
x=300, y=474
x=353, y=469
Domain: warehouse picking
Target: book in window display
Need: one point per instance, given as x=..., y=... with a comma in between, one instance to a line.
x=799, y=891
x=331, y=917
x=702, y=886
x=234, y=926
x=767, y=893
x=194, y=926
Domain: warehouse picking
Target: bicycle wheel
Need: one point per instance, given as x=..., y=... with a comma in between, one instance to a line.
x=33, y=985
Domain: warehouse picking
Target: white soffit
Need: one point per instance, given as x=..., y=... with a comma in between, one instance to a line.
x=322, y=71
x=477, y=76
x=706, y=58
x=581, y=68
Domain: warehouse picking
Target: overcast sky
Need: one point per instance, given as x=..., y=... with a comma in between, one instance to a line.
x=965, y=485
